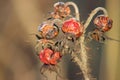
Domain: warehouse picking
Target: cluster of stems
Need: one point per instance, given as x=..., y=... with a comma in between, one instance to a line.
x=82, y=60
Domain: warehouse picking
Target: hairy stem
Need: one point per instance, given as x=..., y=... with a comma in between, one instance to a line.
x=77, y=15
x=84, y=56
x=82, y=63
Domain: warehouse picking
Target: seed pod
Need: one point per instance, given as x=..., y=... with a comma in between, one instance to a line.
x=61, y=10
x=48, y=56
x=103, y=23
x=48, y=31
x=73, y=26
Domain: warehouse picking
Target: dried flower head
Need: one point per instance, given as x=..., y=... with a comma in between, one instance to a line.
x=48, y=56
x=72, y=26
x=61, y=10
x=48, y=31
x=103, y=23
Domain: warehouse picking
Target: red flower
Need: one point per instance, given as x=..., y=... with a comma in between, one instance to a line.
x=72, y=26
x=48, y=56
x=103, y=23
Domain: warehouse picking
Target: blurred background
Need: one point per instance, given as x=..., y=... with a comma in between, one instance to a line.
x=19, y=18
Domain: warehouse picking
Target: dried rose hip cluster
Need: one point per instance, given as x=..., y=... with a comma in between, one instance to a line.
x=50, y=29
x=57, y=34
x=60, y=34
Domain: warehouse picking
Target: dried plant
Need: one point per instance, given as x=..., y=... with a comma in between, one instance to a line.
x=63, y=33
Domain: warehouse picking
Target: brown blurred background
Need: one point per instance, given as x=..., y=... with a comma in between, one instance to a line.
x=19, y=18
